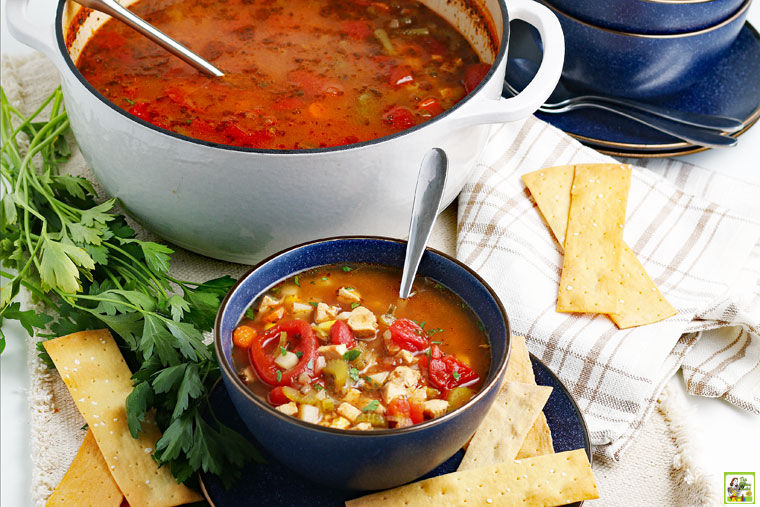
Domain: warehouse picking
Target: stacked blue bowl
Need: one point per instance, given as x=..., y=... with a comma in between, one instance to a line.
x=643, y=49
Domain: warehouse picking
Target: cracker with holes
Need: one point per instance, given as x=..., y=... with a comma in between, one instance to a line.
x=553, y=479
x=99, y=381
x=87, y=482
x=643, y=303
x=502, y=431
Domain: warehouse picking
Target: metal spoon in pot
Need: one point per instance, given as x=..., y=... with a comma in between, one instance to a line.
x=112, y=8
x=427, y=200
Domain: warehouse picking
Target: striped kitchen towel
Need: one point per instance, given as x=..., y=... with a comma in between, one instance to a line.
x=697, y=233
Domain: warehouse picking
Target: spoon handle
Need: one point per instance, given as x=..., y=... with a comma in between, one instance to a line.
x=112, y=8
x=427, y=199
x=713, y=122
x=695, y=135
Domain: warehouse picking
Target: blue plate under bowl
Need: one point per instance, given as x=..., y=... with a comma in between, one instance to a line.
x=729, y=88
x=273, y=483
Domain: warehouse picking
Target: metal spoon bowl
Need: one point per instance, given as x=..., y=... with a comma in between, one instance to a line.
x=113, y=9
x=427, y=200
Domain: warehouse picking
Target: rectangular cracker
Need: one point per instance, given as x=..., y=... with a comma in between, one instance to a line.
x=503, y=429
x=553, y=479
x=87, y=482
x=99, y=381
x=643, y=302
x=591, y=277
x=538, y=441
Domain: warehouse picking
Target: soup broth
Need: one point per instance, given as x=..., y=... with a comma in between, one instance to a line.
x=338, y=339
x=298, y=73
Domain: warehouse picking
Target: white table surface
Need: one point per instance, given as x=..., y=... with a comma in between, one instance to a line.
x=727, y=436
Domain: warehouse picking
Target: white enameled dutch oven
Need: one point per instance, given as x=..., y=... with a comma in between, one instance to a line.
x=241, y=204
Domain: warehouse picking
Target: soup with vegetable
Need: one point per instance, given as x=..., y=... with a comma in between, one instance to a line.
x=335, y=346
x=298, y=73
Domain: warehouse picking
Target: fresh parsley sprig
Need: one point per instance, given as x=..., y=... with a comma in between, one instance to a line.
x=86, y=265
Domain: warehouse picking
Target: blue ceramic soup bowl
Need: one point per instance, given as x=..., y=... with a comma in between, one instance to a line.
x=650, y=16
x=361, y=460
x=641, y=66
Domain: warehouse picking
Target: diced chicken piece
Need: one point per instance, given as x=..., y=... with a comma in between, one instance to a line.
x=341, y=423
x=400, y=382
x=362, y=322
x=390, y=345
x=287, y=360
x=319, y=364
x=325, y=312
x=406, y=356
x=288, y=408
x=435, y=408
x=304, y=379
x=387, y=319
x=302, y=310
x=332, y=351
x=353, y=396
x=343, y=316
x=378, y=379
x=418, y=395
x=308, y=413
x=289, y=290
x=349, y=411
x=268, y=302
x=348, y=295
x=363, y=426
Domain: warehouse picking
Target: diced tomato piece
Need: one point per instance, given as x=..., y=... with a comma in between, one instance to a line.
x=300, y=338
x=446, y=372
x=400, y=117
x=350, y=140
x=308, y=81
x=473, y=75
x=399, y=412
x=400, y=75
x=416, y=412
x=431, y=105
x=340, y=333
x=140, y=109
x=408, y=335
x=277, y=397
x=357, y=30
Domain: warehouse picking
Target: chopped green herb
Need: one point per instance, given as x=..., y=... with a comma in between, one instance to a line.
x=354, y=374
x=439, y=286
x=128, y=101
x=283, y=351
x=279, y=376
x=274, y=290
x=436, y=342
x=318, y=387
x=368, y=379
x=481, y=326
x=422, y=324
x=433, y=331
x=371, y=406
x=347, y=268
x=299, y=354
x=84, y=428
x=313, y=303
x=428, y=352
x=324, y=278
x=296, y=280
x=456, y=375
x=250, y=313
x=352, y=354
x=354, y=305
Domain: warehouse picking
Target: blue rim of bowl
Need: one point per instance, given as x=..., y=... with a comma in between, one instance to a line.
x=500, y=55
x=240, y=386
x=562, y=387
x=740, y=12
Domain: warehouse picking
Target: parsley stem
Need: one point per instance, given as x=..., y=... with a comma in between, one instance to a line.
x=147, y=271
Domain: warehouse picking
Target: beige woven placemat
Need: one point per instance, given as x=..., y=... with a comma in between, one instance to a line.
x=657, y=469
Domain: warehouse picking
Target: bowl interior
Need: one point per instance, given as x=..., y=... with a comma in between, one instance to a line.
x=442, y=268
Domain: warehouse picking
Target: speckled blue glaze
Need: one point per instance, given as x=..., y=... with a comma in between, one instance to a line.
x=730, y=88
x=650, y=16
x=355, y=459
x=273, y=484
x=641, y=66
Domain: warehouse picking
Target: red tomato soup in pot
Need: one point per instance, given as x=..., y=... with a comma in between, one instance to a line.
x=298, y=73
x=335, y=346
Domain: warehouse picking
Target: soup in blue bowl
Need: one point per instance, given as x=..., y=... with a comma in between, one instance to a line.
x=348, y=385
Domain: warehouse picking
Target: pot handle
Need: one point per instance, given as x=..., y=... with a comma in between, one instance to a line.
x=543, y=83
x=39, y=37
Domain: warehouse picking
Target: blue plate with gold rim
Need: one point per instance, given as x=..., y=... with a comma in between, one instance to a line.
x=274, y=484
x=730, y=88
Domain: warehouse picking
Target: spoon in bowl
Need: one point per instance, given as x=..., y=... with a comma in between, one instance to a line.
x=431, y=181
x=113, y=9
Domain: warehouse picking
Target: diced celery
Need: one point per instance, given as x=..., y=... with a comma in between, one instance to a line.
x=382, y=36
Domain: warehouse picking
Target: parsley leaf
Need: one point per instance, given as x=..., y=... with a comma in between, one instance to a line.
x=354, y=305
x=352, y=354
x=455, y=374
x=371, y=406
x=279, y=376
x=354, y=374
